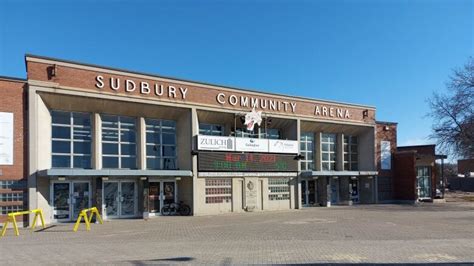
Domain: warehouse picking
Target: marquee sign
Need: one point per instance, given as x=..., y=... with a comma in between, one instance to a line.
x=246, y=162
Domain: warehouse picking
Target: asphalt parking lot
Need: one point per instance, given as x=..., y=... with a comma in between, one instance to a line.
x=429, y=233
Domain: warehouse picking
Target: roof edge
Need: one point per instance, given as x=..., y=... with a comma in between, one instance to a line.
x=191, y=81
x=15, y=79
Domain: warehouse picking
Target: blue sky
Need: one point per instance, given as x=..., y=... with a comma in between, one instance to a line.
x=388, y=54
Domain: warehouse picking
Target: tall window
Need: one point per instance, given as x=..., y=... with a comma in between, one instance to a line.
x=278, y=189
x=71, y=140
x=328, y=152
x=350, y=153
x=211, y=130
x=160, y=144
x=119, y=147
x=307, y=150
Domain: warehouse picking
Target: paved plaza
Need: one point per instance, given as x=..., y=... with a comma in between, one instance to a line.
x=429, y=233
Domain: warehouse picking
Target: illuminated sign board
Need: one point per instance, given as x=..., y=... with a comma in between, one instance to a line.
x=246, y=162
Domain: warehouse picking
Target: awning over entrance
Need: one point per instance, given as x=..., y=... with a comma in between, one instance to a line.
x=338, y=173
x=114, y=172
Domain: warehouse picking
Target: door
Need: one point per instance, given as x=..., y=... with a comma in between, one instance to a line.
x=61, y=201
x=424, y=182
x=334, y=191
x=154, y=198
x=120, y=199
x=80, y=198
x=354, y=186
x=160, y=193
x=304, y=193
x=69, y=198
x=127, y=199
x=311, y=192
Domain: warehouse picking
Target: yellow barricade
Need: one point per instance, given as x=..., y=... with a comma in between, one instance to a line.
x=87, y=220
x=11, y=219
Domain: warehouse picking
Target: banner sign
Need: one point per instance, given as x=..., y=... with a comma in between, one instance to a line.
x=246, y=162
x=254, y=145
x=215, y=143
x=282, y=146
x=6, y=138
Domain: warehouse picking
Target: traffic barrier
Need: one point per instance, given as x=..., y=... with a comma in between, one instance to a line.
x=11, y=219
x=87, y=220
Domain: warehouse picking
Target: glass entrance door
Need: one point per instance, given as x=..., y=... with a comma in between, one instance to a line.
x=127, y=199
x=160, y=193
x=334, y=190
x=111, y=199
x=61, y=201
x=354, y=186
x=80, y=197
x=120, y=199
x=154, y=198
x=423, y=177
x=69, y=198
x=308, y=189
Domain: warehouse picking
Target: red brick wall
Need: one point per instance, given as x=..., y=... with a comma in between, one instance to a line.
x=465, y=166
x=385, y=132
x=405, y=176
x=13, y=99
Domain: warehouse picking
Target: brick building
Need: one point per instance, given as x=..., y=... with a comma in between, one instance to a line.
x=129, y=143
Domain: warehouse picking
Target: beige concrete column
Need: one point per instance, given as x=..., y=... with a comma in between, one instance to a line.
x=141, y=142
x=195, y=132
x=33, y=151
x=96, y=141
x=296, y=198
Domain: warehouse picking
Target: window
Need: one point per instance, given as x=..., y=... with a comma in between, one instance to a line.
x=218, y=190
x=328, y=152
x=119, y=148
x=71, y=140
x=11, y=197
x=12, y=184
x=307, y=150
x=211, y=130
x=350, y=153
x=244, y=133
x=7, y=209
x=273, y=133
x=278, y=189
x=161, y=144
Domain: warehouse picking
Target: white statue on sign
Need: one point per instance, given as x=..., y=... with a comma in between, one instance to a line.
x=253, y=118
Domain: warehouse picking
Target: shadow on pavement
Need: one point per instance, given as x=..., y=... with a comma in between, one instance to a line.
x=164, y=260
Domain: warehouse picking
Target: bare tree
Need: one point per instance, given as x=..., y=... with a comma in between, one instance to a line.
x=453, y=113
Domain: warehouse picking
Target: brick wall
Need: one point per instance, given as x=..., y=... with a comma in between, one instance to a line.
x=405, y=176
x=385, y=132
x=13, y=100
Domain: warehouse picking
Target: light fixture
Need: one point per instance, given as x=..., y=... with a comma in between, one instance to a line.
x=105, y=178
x=61, y=178
x=193, y=152
x=386, y=128
x=143, y=178
x=354, y=177
x=365, y=113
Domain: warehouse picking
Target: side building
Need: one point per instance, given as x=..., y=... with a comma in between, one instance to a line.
x=13, y=146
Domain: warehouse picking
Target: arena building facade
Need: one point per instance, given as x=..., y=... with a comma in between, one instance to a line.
x=129, y=142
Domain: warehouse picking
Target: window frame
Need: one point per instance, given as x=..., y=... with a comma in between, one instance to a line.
x=71, y=140
x=119, y=141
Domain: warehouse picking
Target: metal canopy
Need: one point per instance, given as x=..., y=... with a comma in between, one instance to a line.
x=115, y=172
